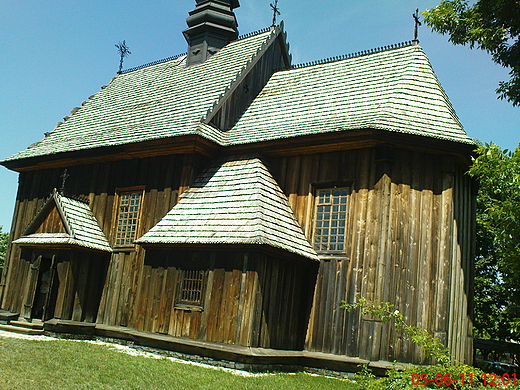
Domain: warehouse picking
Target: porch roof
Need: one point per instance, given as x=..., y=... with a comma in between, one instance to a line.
x=235, y=201
x=80, y=225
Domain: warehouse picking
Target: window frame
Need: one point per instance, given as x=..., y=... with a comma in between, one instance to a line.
x=316, y=190
x=117, y=202
x=186, y=304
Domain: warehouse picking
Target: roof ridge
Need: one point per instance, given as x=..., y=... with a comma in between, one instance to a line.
x=274, y=32
x=248, y=35
x=153, y=63
x=353, y=55
x=63, y=213
x=253, y=33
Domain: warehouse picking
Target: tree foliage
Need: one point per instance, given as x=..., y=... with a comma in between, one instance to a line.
x=490, y=25
x=497, y=281
x=3, y=247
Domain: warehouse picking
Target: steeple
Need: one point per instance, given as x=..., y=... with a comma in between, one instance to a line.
x=211, y=26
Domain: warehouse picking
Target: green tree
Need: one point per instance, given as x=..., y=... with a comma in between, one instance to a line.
x=3, y=247
x=497, y=263
x=490, y=25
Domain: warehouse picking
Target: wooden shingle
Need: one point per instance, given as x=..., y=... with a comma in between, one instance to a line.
x=80, y=225
x=235, y=201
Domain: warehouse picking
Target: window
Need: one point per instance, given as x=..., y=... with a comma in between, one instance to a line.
x=127, y=217
x=330, y=220
x=192, y=287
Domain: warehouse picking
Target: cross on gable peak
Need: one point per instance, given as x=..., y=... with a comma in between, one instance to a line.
x=276, y=11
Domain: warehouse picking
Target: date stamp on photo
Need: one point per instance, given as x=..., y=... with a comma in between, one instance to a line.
x=422, y=379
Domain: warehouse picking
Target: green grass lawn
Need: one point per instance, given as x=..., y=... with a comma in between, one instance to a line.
x=64, y=364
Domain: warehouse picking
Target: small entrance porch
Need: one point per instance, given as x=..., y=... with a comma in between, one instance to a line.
x=63, y=284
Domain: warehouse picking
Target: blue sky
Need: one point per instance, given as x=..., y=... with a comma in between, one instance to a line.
x=55, y=54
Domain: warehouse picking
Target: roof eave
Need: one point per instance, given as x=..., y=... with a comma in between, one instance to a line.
x=192, y=143
x=355, y=139
x=265, y=248
x=29, y=244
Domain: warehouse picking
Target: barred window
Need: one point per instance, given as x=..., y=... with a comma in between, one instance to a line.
x=330, y=220
x=127, y=218
x=192, y=287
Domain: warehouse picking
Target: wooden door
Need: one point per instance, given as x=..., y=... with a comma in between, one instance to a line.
x=32, y=282
x=50, y=298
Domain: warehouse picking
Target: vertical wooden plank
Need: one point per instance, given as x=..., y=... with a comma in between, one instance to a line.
x=80, y=268
x=203, y=328
x=241, y=299
x=293, y=173
x=30, y=290
x=61, y=311
x=215, y=316
x=176, y=279
x=443, y=266
x=166, y=296
x=158, y=287
x=256, y=322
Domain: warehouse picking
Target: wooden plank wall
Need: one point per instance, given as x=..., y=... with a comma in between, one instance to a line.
x=251, y=298
x=52, y=224
x=409, y=242
x=81, y=277
x=161, y=178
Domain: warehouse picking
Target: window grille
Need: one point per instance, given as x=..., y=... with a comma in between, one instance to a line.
x=192, y=287
x=330, y=220
x=127, y=218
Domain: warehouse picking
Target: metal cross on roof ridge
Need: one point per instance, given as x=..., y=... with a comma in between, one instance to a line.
x=63, y=177
x=276, y=11
x=124, y=51
x=417, y=24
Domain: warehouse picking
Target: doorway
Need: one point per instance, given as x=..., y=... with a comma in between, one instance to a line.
x=46, y=289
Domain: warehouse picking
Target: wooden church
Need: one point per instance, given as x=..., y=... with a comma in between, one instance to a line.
x=226, y=200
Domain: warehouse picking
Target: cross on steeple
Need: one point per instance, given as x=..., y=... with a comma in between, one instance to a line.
x=63, y=177
x=417, y=24
x=276, y=11
x=123, y=52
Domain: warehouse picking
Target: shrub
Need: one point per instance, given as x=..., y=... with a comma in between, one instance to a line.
x=446, y=374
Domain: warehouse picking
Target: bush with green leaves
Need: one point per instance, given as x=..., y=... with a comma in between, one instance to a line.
x=3, y=248
x=446, y=374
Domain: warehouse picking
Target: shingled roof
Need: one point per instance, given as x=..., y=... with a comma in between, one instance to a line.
x=162, y=100
x=235, y=201
x=394, y=90
x=80, y=225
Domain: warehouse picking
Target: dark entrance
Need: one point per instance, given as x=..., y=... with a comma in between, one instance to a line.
x=42, y=288
x=46, y=290
x=65, y=284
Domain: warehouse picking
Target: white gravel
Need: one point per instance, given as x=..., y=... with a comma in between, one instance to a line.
x=132, y=351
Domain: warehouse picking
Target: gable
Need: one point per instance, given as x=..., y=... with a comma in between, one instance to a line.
x=52, y=223
x=65, y=221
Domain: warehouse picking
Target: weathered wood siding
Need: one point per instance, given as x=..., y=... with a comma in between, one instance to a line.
x=161, y=178
x=251, y=299
x=81, y=277
x=52, y=223
x=409, y=242
x=79, y=280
